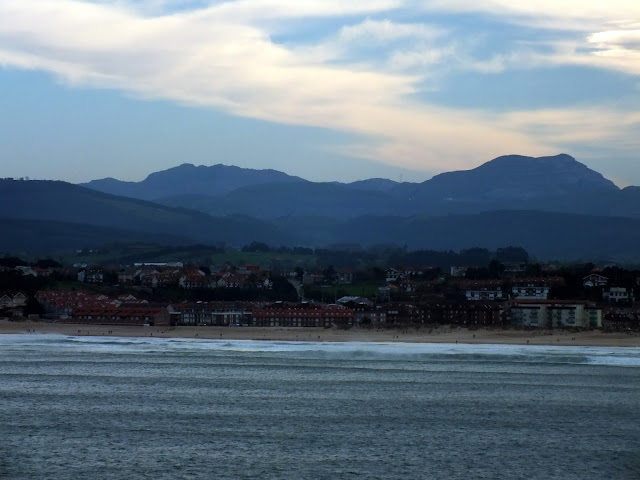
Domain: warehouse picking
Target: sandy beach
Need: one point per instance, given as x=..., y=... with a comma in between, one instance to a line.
x=441, y=334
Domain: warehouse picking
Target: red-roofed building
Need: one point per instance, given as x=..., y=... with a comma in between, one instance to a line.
x=301, y=315
x=120, y=316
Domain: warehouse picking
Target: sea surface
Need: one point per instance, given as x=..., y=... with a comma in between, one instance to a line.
x=122, y=408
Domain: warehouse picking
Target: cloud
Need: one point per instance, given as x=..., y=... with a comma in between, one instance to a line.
x=551, y=14
x=604, y=35
x=585, y=126
x=223, y=56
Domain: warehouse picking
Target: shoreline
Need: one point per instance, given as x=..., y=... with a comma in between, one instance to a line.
x=441, y=334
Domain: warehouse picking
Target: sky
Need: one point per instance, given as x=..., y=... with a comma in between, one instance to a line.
x=323, y=89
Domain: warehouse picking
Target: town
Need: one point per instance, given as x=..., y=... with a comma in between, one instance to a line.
x=505, y=294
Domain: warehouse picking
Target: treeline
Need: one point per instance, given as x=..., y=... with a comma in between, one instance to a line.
x=13, y=262
x=355, y=255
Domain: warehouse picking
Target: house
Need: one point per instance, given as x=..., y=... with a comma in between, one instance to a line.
x=392, y=275
x=388, y=291
x=481, y=290
x=534, y=288
x=249, y=269
x=523, y=291
x=19, y=299
x=484, y=294
x=233, y=280
x=193, y=278
x=594, y=280
x=91, y=276
x=618, y=295
x=26, y=270
x=12, y=300
x=45, y=272
x=5, y=301
x=312, y=279
x=407, y=285
x=411, y=271
x=345, y=276
x=514, y=267
x=459, y=272
x=127, y=298
x=354, y=301
x=126, y=276
x=154, y=277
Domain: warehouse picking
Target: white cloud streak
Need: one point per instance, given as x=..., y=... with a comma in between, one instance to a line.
x=222, y=56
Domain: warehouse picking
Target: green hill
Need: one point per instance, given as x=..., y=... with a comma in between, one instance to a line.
x=64, y=202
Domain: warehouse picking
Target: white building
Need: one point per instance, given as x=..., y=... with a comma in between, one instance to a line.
x=458, y=271
x=594, y=280
x=548, y=314
x=617, y=294
x=530, y=291
x=484, y=294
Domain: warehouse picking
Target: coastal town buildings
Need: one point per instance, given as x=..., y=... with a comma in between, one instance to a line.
x=214, y=313
x=225, y=295
x=120, y=315
x=555, y=313
x=302, y=315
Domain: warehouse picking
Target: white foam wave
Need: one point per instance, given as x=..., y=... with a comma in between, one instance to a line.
x=629, y=357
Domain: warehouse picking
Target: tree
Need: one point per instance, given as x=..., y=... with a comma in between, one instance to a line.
x=256, y=247
x=495, y=268
x=512, y=254
x=33, y=307
x=48, y=263
x=329, y=274
x=281, y=289
x=11, y=262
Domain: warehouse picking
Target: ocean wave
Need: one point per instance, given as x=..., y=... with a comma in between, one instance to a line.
x=440, y=352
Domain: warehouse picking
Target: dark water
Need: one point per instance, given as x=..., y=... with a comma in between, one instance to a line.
x=165, y=409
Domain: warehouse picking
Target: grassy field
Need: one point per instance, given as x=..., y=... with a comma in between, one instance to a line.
x=331, y=292
x=199, y=255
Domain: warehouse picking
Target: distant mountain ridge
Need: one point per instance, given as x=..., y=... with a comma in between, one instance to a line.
x=188, y=179
x=516, y=177
x=48, y=216
x=513, y=182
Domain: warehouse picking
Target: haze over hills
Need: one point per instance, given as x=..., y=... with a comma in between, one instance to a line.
x=555, y=207
x=546, y=235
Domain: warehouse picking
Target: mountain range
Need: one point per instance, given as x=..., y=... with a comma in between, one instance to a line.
x=513, y=182
x=555, y=207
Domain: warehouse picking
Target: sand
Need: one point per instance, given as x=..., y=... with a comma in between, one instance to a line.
x=441, y=334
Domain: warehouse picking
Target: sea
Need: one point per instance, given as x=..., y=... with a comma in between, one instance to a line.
x=151, y=408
